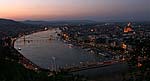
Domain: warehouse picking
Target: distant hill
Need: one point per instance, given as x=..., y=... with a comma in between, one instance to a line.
x=62, y=22
x=12, y=28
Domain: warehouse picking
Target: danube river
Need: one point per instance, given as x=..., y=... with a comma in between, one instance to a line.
x=47, y=50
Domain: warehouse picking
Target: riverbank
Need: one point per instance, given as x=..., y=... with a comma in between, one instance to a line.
x=41, y=53
x=27, y=63
x=12, y=70
x=22, y=59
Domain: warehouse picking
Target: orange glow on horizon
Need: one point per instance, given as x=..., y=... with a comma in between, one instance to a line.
x=36, y=9
x=67, y=9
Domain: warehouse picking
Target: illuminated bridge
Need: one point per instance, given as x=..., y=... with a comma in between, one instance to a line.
x=40, y=40
x=87, y=65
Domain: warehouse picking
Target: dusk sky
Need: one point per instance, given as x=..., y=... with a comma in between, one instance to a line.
x=100, y=10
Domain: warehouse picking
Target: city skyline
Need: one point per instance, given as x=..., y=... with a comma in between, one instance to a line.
x=99, y=10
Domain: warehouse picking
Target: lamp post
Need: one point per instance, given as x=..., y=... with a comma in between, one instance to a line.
x=54, y=65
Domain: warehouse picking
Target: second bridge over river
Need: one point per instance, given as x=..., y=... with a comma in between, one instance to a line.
x=90, y=65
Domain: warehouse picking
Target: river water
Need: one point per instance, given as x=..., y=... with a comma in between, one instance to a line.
x=46, y=50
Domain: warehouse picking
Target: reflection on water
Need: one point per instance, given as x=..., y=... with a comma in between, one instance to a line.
x=45, y=50
x=40, y=49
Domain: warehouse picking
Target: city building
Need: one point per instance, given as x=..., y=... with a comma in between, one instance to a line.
x=128, y=28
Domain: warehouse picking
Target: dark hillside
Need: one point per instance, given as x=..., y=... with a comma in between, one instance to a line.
x=13, y=28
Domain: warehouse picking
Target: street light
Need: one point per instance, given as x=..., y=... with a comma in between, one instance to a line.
x=54, y=61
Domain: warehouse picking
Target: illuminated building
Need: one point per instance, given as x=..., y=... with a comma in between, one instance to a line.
x=139, y=64
x=124, y=46
x=128, y=28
